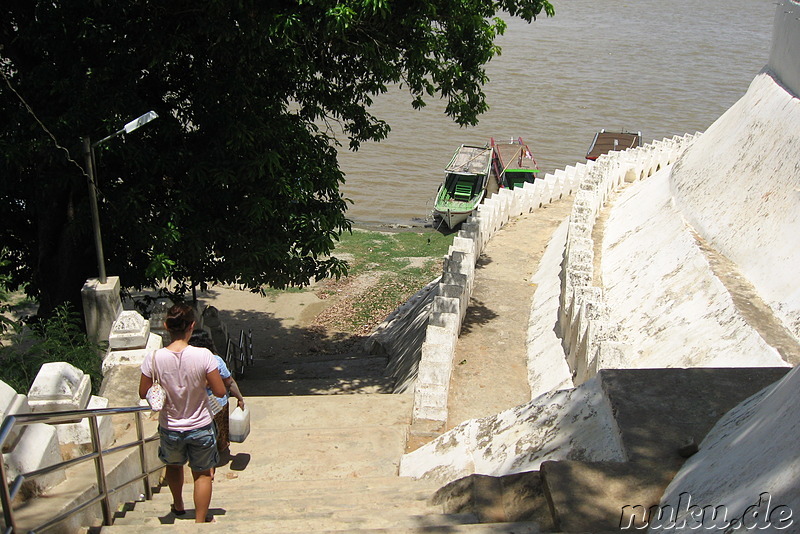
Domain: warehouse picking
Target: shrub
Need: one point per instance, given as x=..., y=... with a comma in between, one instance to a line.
x=57, y=339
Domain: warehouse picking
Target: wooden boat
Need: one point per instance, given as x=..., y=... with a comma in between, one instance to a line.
x=605, y=142
x=467, y=177
x=516, y=163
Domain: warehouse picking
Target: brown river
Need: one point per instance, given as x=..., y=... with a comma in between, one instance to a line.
x=662, y=68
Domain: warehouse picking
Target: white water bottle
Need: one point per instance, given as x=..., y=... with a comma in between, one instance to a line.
x=239, y=424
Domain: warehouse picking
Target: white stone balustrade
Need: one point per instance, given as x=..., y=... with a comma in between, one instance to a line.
x=587, y=338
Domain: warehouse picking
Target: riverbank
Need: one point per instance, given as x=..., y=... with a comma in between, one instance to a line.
x=386, y=267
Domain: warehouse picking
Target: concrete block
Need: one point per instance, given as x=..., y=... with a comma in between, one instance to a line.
x=580, y=254
x=101, y=306
x=526, y=193
x=12, y=402
x=456, y=292
x=451, y=291
x=217, y=327
x=454, y=279
x=446, y=305
x=129, y=331
x=459, y=262
x=518, y=203
x=546, y=194
x=37, y=448
x=77, y=437
x=430, y=372
x=132, y=357
x=438, y=339
x=430, y=402
x=59, y=387
x=463, y=245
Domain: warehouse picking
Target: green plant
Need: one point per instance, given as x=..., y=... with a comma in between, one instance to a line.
x=57, y=339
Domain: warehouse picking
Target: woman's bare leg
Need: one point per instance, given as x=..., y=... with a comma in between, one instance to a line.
x=174, y=476
x=202, y=494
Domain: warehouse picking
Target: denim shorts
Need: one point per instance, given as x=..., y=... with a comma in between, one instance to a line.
x=198, y=447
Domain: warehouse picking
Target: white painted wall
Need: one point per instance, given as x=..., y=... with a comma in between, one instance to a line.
x=739, y=187
x=785, y=44
x=660, y=291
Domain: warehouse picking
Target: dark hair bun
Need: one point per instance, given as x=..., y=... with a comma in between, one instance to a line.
x=179, y=317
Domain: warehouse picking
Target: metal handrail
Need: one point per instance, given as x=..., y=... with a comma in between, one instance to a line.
x=8, y=492
x=239, y=356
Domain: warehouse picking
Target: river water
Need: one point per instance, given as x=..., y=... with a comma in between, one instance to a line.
x=660, y=67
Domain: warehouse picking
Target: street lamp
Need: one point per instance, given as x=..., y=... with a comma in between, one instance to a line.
x=91, y=172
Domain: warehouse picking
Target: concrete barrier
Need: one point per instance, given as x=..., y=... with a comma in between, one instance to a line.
x=589, y=340
x=582, y=310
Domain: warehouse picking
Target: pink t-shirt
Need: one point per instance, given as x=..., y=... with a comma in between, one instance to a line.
x=183, y=376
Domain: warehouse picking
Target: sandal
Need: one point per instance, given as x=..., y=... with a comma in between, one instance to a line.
x=176, y=512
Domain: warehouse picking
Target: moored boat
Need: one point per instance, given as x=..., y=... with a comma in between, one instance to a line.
x=516, y=161
x=465, y=184
x=605, y=142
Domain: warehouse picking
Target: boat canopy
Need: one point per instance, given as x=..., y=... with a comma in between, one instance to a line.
x=605, y=142
x=470, y=160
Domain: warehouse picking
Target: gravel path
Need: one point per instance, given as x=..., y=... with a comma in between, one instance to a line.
x=490, y=366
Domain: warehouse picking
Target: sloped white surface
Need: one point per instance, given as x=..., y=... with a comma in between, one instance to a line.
x=739, y=187
x=662, y=293
x=547, y=365
x=574, y=424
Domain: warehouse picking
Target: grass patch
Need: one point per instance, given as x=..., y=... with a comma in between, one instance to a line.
x=403, y=264
x=384, y=251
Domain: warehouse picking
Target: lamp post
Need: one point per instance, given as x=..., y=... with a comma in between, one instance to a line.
x=91, y=172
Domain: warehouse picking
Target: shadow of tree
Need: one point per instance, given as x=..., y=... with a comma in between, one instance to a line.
x=477, y=315
x=287, y=353
x=483, y=261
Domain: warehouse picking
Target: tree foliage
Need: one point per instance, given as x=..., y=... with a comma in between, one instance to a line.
x=237, y=181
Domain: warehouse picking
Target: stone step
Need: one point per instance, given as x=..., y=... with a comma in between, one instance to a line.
x=290, y=488
x=318, y=437
x=426, y=526
x=350, y=520
x=296, y=510
x=271, y=414
x=319, y=368
x=515, y=497
x=350, y=493
x=317, y=386
x=329, y=504
x=321, y=356
x=591, y=495
x=308, y=454
x=283, y=489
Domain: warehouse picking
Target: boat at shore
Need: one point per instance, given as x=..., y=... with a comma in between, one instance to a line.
x=516, y=161
x=467, y=177
x=605, y=142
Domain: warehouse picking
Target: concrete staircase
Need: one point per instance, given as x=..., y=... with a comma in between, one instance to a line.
x=325, y=463
x=317, y=374
x=329, y=463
